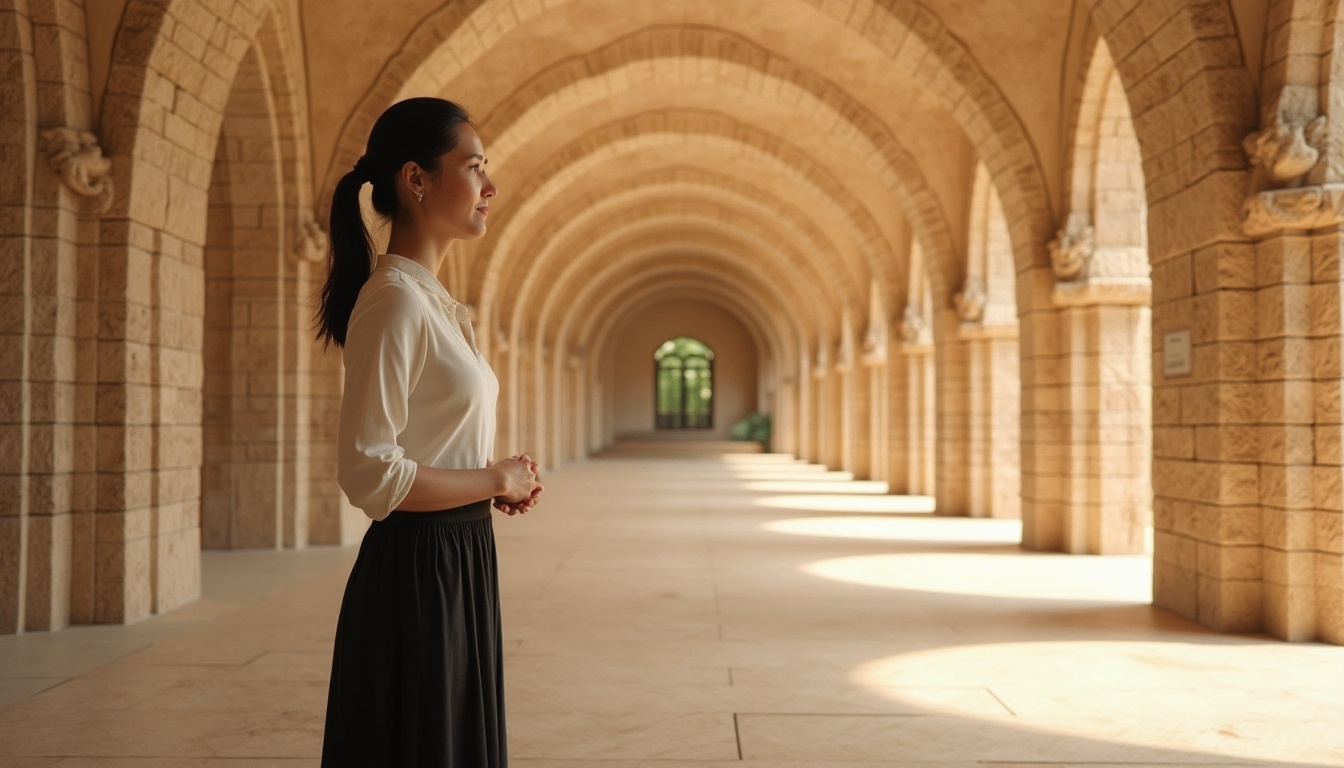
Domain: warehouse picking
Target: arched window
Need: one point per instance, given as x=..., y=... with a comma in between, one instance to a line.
x=683, y=376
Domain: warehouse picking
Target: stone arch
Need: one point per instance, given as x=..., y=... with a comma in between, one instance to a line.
x=657, y=56
x=1209, y=84
x=522, y=358
x=912, y=37
x=248, y=499
x=709, y=128
x=670, y=287
x=979, y=394
x=661, y=220
x=172, y=70
x=1105, y=176
x=755, y=286
x=580, y=348
x=678, y=182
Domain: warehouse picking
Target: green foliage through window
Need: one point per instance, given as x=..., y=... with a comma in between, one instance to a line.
x=684, y=384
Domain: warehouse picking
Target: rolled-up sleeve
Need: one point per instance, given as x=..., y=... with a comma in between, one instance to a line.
x=384, y=355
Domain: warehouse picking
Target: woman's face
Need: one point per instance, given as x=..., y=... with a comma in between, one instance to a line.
x=457, y=197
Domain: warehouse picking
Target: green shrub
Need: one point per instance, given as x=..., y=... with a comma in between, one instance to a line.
x=754, y=427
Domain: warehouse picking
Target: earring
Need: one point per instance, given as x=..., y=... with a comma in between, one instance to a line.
x=420, y=195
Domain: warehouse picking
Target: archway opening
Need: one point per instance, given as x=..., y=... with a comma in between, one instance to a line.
x=683, y=384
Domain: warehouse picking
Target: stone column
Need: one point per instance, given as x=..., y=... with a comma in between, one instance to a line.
x=1089, y=489
x=879, y=437
x=993, y=448
x=819, y=433
x=920, y=402
x=951, y=449
x=861, y=414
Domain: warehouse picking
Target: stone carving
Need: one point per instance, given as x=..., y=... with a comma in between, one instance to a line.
x=1284, y=154
x=971, y=301
x=76, y=156
x=874, y=343
x=1315, y=207
x=1290, y=165
x=1072, y=248
x=873, y=347
x=912, y=325
x=312, y=243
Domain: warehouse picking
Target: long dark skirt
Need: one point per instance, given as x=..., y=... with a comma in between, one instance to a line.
x=417, y=679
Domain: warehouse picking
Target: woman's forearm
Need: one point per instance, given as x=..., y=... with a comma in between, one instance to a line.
x=434, y=488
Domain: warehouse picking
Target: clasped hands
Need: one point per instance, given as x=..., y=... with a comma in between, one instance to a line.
x=523, y=483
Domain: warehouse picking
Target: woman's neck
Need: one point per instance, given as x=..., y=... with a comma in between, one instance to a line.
x=412, y=242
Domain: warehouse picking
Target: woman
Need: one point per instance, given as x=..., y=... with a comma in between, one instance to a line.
x=416, y=676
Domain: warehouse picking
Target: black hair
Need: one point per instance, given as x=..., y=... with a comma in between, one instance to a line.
x=416, y=130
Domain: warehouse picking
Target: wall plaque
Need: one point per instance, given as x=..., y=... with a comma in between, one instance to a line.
x=1176, y=353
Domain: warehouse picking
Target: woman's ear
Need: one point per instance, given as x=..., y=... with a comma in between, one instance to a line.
x=412, y=177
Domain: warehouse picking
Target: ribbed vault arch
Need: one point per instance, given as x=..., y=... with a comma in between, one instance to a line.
x=672, y=286
x=911, y=36
x=664, y=56
x=586, y=328
x=599, y=207
x=751, y=240
x=746, y=142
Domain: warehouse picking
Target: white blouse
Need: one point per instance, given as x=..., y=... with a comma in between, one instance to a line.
x=417, y=390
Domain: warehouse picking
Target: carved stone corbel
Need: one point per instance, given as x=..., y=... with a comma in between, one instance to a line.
x=1283, y=154
x=971, y=301
x=77, y=158
x=912, y=325
x=875, y=343
x=1072, y=249
x=311, y=245
x=1289, y=191
x=822, y=363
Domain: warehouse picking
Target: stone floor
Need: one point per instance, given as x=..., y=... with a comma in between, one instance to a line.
x=739, y=611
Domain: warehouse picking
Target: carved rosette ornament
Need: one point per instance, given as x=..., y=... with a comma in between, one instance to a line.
x=912, y=326
x=1290, y=190
x=311, y=245
x=77, y=158
x=971, y=301
x=1072, y=249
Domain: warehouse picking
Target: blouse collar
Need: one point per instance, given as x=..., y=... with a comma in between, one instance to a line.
x=418, y=272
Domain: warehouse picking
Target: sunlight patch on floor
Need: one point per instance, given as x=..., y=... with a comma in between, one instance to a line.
x=1096, y=687
x=848, y=502
x=1009, y=575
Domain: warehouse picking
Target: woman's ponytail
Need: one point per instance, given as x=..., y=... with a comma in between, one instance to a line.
x=350, y=260
x=418, y=130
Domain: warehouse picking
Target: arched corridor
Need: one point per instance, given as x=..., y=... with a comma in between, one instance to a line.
x=743, y=610
x=1058, y=280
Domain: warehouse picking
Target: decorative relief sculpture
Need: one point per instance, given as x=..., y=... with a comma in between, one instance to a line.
x=1072, y=249
x=1289, y=189
x=312, y=243
x=76, y=156
x=971, y=300
x=912, y=325
x=1283, y=154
